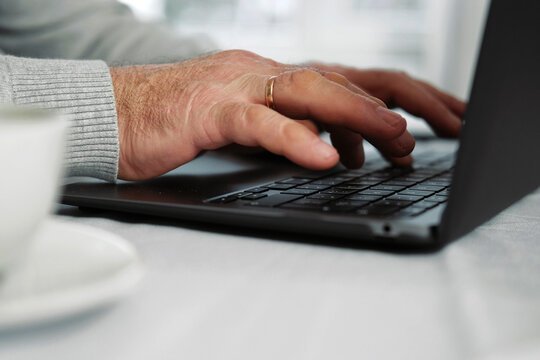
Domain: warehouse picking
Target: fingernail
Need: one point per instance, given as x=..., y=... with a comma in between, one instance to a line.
x=403, y=161
x=391, y=118
x=406, y=142
x=324, y=150
x=457, y=124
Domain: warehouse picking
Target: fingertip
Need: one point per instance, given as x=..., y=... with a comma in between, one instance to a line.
x=405, y=161
x=396, y=123
x=458, y=106
x=405, y=144
x=325, y=155
x=452, y=127
x=352, y=163
x=310, y=125
x=456, y=124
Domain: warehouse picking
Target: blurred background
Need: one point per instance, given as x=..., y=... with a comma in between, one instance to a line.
x=435, y=40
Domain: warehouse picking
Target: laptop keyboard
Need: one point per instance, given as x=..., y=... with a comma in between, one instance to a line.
x=373, y=190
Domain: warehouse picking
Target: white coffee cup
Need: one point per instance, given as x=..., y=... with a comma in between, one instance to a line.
x=32, y=146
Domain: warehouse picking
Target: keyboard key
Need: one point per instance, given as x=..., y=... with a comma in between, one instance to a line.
x=405, y=197
x=297, y=191
x=257, y=190
x=444, y=192
x=331, y=182
x=359, y=172
x=388, y=187
x=363, y=182
x=415, y=192
x=357, y=203
x=436, y=182
x=436, y=198
x=374, y=178
x=325, y=196
x=376, y=192
x=425, y=204
x=253, y=196
x=360, y=197
x=447, y=178
x=426, y=171
x=351, y=203
x=399, y=182
x=313, y=187
x=305, y=204
x=280, y=186
x=274, y=200
x=394, y=202
x=338, y=191
x=344, y=175
x=314, y=175
x=294, y=180
x=427, y=187
x=346, y=186
x=393, y=172
x=413, y=178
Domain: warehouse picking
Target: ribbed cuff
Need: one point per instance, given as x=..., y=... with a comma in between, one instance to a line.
x=82, y=90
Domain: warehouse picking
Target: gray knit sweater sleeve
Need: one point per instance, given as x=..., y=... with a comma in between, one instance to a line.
x=90, y=29
x=61, y=49
x=82, y=90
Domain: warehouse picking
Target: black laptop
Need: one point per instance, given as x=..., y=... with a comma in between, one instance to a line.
x=452, y=188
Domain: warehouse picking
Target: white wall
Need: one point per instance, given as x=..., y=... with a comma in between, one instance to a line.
x=464, y=36
x=433, y=39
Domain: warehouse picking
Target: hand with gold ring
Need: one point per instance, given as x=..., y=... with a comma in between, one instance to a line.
x=167, y=114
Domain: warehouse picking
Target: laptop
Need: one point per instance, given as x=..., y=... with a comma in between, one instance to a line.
x=452, y=188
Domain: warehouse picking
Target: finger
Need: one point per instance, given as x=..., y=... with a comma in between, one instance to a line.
x=256, y=125
x=456, y=105
x=349, y=145
x=343, y=81
x=415, y=99
x=307, y=94
x=404, y=161
x=399, y=147
x=310, y=125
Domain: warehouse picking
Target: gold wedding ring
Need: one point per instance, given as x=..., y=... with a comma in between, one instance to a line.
x=269, y=92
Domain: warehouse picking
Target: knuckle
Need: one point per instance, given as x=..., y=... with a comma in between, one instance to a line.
x=285, y=131
x=337, y=77
x=229, y=113
x=273, y=62
x=248, y=121
x=402, y=75
x=252, y=112
x=246, y=54
x=304, y=77
x=291, y=133
x=241, y=56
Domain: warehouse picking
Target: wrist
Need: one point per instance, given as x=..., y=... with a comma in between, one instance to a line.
x=119, y=76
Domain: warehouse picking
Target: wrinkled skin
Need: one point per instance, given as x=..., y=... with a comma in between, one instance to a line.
x=168, y=114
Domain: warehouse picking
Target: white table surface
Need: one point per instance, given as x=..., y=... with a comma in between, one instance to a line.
x=225, y=295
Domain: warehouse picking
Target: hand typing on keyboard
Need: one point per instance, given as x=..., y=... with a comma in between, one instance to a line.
x=167, y=114
x=374, y=190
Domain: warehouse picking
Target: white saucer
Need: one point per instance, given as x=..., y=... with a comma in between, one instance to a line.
x=70, y=268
